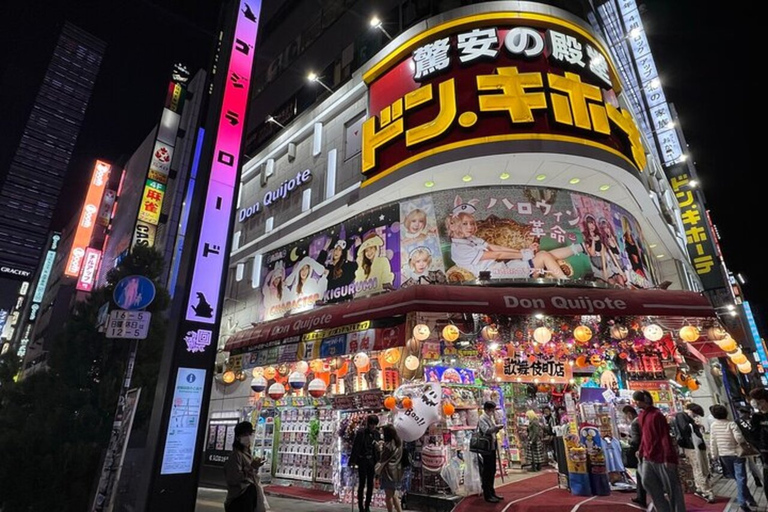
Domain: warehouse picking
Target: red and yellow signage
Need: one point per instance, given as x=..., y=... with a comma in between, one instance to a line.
x=151, y=202
x=88, y=217
x=494, y=78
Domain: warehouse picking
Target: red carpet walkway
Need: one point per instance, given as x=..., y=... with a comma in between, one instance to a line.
x=300, y=493
x=540, y=494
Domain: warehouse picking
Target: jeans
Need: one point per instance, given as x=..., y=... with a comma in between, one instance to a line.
x=659, y=478
x=738, y=467
x=365, y=473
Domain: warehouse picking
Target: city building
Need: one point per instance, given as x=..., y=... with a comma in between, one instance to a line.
x=451, y=196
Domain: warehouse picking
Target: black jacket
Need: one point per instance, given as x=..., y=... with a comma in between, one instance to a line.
x=759, y=432
x=683, y=423
x=363, y=448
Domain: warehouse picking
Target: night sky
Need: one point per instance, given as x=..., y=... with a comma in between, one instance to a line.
x=697, y=51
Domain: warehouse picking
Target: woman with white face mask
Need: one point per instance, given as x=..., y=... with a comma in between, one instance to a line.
x=244, y=493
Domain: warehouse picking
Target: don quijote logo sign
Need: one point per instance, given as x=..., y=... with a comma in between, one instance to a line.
x=89, y=212
x=472, y=84
x=101, y=174
x=76, y=259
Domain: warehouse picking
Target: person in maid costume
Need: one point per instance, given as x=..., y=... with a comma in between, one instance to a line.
x=476, y=255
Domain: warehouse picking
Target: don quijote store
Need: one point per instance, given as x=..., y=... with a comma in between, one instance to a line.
x=467, y=219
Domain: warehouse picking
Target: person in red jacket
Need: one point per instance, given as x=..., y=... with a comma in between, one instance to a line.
x=659, y=457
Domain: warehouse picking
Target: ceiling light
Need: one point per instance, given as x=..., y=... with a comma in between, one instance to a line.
x=541, y=177
x=466, y=178
x=429, y=184
x=504, y=176
x=312, y=76
x=603, y=188
x=660, y=256
x=574, y=181
x=653, y=246
x=375, y=22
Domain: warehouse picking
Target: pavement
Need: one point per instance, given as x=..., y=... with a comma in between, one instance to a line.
x=212, y=500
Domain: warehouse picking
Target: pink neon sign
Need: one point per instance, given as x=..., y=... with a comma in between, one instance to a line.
x=212, y=244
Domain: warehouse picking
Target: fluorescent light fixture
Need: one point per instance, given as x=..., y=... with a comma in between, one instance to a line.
x=603, y=188
x=429, y=183
x=574, y=181
x=466, y=178
x=541, y=177
x=504, y=176
x=660, y=256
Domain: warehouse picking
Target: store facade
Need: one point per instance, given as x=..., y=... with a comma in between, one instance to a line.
x=474, y=216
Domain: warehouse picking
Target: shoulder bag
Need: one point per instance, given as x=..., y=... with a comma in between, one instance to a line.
x=480, y=443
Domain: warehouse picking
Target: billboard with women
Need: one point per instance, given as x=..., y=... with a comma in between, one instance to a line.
x=499, y=233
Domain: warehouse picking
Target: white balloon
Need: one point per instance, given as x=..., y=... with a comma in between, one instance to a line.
x=412, y=423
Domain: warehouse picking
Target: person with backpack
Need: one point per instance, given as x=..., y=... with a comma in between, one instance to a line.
x=744, y=424
x=691, y=439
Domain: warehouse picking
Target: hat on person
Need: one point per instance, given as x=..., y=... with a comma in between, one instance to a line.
x=465, y=208
x=243, y=428
x=489, y=405
x=370, y=240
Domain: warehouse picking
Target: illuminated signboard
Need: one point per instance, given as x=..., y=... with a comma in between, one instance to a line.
x=87, y=218
x=181, y=437
x=473, y=85
x=207, y=277
x=90, y=269
x=160, y=165
x=763, y=358
x=45, y=274
x=144, y=234
x=151, y=202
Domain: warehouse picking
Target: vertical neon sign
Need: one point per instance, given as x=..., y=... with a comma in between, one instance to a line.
x=207, y=277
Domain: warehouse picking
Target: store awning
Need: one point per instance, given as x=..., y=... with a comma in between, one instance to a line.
x=480, y=299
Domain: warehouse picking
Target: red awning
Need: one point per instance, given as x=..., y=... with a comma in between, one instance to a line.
x=481, y=299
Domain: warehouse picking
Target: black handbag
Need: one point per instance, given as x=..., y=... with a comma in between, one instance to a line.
x=479, y=443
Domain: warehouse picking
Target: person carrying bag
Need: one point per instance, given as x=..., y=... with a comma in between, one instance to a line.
x=389, y=469
x=483, y=442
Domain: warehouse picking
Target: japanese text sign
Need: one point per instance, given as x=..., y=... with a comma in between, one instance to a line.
x=540, y=369
x=151, y=202
x=88, y=217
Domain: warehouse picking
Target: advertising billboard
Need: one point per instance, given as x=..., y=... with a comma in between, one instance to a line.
x=450, y=237
x=88, y=218
x=151, y=202
x=90, y=269
x=160, y=164
x=470, y=84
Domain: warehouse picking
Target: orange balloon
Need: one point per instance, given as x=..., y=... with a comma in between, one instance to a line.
x=407, y=403
x=390, y=402
x=448, y=409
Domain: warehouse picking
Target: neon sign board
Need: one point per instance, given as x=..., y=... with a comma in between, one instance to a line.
x=87, y=218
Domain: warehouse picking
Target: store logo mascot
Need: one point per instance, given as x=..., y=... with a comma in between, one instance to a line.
x=412, y=423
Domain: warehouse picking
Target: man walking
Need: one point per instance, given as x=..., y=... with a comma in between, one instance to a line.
x=488, y=427
x=759, y=428
x=364, y=457
x=659, y=457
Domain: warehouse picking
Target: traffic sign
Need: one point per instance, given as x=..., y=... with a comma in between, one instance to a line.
x=128, y=324
x=134, y=292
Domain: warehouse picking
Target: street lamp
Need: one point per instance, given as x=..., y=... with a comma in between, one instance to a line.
x=312, y=77
x=377, y=23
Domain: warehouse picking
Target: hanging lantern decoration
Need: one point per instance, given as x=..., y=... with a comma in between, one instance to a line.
x=389, y=358
x=489, y=333
x=692, y=384
x=681, y=378
x=450, y=333
x=228, y=377
x=412, y=363
x=317, y=388
x=240, y=375
x=727, y=344
x=297, y=380
x=582, y=334
x=448, y=409
x=258, y=384
x=421, y=332
x=619, y=332
x=581, y=361
x=653, y=332
x=738, y=358
x=361, y=360
x=317, y=366
x=413, y=346
x=407, y=403
x=390, y=403
x=301, y=366
x=745, y=367
x=270, y=372
x=596, y=360
x=542, y=335
x=276, y=391
x=258, y=371
x=716, y=332
x=689, y=333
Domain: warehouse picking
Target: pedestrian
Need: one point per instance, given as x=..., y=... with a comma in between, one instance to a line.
x=535, y=453
x=364, y=457
x=659, y=456
x=633, y=461
x=390, y=468
x=549, y=424
x=241, y=471
x=488, y=427
x=691, y=439
x=759, y=428
x=725, y=439
x=744, y=422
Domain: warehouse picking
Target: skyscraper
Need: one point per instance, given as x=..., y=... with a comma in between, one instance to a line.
x=36, y=173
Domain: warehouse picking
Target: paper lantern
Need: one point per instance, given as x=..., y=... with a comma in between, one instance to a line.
x=407, y=403
x=258, y=371
x=692, y=384
x=276, y=391
x=390, y=402
x=317, y=388
x=421, y=332
x=391, y=356
x=413, y=346
x=653, y=332
x=450, y=333
x=270, y=372
x=258, y=384
x=619, y=332
x=361, y=360
x=448, y=409
x=745, y=367
x=728, y=344
x=738, y=358
x=301, y=366
x=317, y=365
x=581, y=361
x=689, y=333
x=297, y=380
x=716, y=332
x=412, y=363
x=582, y=334
x=228, y=377
x=489, y=333
x=542, y=335
x=432, y=458
x=596, y=360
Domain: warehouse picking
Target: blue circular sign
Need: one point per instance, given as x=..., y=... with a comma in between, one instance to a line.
x=134, y=292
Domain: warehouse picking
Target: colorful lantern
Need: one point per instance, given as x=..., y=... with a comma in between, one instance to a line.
x=301, y=366
x=317, y=388
x=413, y=346
x=619, y=332
x=361, y=360
x=595, y=360
x=448, y=409
x=489, y=333
x=390, y=403
x=258, y=384
x=689, y=333
x=653, y=332
x=582, y=334
x=738, y=358
x=258, y=371
x=728, y=344
x=421, y=332
x=716, y=332
x=317, y=365
x=276, y=391
x=745, y=367
x=412, y=363
x=270, y=372
x=581, y=361
x=450, y=333
x=297, y=380
x=542, y=335
x=692, y=384
x=228, y=377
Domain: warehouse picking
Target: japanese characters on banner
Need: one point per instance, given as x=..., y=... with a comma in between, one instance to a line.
x=90, y=269
x=491, y=84
x=151, y=202
x=539, y=368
